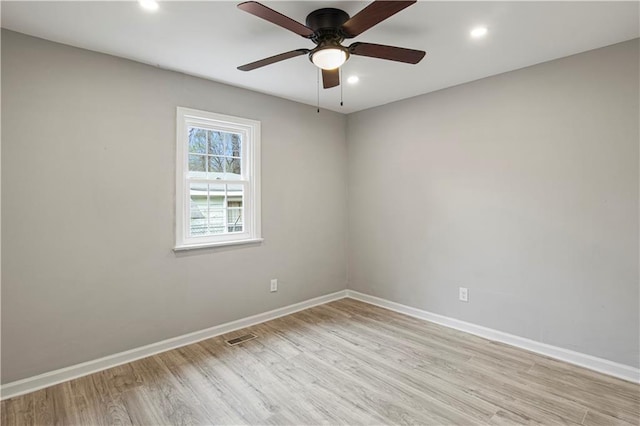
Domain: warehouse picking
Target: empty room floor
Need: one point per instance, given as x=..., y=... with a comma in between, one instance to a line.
x=345, y=362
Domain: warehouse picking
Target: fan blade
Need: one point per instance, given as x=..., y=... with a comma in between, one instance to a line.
x=330, y=78
x=372, y=15
x=273, y=59
x=390, y=53
x=262, y=11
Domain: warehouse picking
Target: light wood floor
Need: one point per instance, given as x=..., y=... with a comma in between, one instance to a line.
x=341, y=363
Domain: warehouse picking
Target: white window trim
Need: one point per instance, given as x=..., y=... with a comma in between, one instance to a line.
x=250, y=165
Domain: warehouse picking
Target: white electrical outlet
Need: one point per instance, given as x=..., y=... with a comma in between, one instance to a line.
x=274, y=285
x=463, y=294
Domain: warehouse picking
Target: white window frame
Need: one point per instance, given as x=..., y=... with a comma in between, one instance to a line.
x=250, y=166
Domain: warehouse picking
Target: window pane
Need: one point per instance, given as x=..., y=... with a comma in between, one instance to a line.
x=197, y=140
x=216, y=142
x=235, y=204
x=216, y=167
x=198, y=209
x=216, y=209
x=234, y=219
x=234, y=142
x=232, y=168
x=197, y=163
x=235, y=193
x=216, y=222
x=235, y=210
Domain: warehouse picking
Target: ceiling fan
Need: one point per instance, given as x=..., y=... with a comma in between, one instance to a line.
x=327, y=28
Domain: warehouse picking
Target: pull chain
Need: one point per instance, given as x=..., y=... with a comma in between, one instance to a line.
x=341, y=86
x=318, y=84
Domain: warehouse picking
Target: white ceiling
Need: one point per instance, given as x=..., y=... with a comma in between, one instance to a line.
x=210, y=39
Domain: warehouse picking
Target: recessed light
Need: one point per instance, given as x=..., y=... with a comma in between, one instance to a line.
x=151, y=5
x=479, y=32
x=353, y=79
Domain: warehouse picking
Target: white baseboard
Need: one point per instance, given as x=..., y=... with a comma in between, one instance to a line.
x=51, y=378
x=587, y=361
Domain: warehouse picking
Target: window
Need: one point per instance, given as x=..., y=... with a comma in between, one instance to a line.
x=217, y=180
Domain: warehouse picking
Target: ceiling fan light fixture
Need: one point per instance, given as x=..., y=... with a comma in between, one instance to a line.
x=328, y=28
x=329, y=58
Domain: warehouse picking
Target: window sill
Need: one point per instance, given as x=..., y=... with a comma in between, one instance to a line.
x=220, y=244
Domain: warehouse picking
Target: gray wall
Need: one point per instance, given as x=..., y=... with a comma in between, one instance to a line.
x=522, y=187
x=88, y=167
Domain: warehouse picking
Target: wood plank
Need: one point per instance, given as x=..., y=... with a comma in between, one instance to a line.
x=19, y=411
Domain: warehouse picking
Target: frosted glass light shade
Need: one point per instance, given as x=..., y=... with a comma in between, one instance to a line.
x=329, y=59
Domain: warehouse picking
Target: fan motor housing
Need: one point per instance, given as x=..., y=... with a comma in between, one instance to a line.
x=326, y=24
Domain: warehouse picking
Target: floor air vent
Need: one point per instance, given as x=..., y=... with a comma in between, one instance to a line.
x=241, y=339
